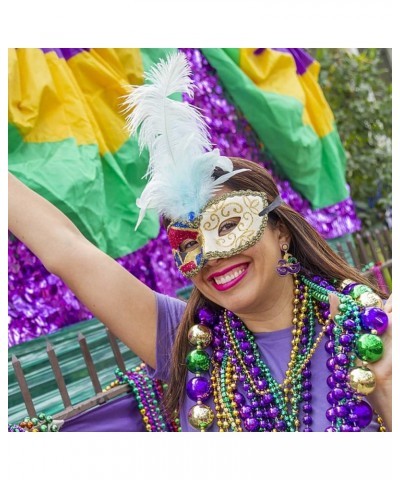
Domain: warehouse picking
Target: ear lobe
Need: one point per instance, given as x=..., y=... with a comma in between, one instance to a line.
x=283, y=233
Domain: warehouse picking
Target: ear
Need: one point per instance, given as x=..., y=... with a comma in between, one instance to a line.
x=283, y=233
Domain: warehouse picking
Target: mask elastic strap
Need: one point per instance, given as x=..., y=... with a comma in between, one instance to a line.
x=278, y=201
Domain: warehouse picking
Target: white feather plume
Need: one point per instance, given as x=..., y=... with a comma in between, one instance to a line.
x=181, y=157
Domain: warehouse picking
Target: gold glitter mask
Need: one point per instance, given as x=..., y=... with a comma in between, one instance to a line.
x=226, y=226
x=232, y=223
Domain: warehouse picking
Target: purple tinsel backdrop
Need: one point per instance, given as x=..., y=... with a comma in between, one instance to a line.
x=40, y=303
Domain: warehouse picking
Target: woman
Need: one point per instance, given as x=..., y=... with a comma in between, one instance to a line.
x=260, y=346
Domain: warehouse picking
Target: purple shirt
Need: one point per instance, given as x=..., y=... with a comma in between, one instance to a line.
x=274, y=349
x=118, y=415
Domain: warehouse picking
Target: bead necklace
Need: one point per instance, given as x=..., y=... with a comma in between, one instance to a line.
x=40, y=423
x=148, y=394
x=266, y=404
x=354, y=334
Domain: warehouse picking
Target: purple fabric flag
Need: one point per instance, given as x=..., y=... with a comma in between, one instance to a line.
x=65, y=53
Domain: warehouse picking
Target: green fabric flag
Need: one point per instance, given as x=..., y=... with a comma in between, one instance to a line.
x=277, y=91
x=67, y=138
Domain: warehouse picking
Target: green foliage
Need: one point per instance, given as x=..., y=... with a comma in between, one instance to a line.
x=359, y=91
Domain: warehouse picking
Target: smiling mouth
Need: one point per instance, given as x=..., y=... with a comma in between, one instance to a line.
x=229, y=277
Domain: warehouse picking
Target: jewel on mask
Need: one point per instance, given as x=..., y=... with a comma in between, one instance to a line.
x=226, y=226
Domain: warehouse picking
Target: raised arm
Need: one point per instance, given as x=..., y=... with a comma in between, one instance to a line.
x=118, y=299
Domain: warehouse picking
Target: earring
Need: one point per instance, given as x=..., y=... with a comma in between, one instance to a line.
x=288, y=264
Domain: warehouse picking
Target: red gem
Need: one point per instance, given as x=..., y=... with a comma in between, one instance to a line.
x=188, y=267
x=177, y=236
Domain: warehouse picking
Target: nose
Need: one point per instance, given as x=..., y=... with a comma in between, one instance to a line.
x=211, y=262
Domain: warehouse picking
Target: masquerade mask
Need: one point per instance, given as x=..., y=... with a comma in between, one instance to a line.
x=181, y=169
x=225, y=226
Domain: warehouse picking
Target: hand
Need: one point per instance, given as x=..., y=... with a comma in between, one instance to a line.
x=383, y=367
x=381, y=398
x=388, y=305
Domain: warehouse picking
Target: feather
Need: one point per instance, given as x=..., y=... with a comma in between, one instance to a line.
x=182, y=160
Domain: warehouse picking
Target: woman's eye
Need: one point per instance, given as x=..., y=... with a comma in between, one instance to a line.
x=188, y=245
x=228, y=225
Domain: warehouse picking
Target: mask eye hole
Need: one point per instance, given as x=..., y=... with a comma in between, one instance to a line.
x=188, y=245
x=228, y=225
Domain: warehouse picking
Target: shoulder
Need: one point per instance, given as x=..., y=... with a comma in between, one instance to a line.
x=169, y=307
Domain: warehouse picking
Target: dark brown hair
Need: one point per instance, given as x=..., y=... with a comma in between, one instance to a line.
x=311, y=250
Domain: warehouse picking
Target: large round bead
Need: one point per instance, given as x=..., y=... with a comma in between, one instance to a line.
x=201, y=416
x=200, y=335
x=373, y=318
x=345, y=282
x=198, y=361
x=198, y=388
x=364, y=413
x=370, y=299
x=369, y=347
x=359, y=290
x=362, y=380
x=349, y=287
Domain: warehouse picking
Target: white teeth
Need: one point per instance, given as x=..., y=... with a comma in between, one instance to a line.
x=229, y=277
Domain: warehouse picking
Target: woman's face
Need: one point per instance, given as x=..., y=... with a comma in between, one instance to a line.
x=244, y=283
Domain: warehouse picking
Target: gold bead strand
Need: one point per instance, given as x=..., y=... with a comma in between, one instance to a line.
x=224, y=419
x=216, y=395
x=320, y=336
x=298, y=324
x=379, y=419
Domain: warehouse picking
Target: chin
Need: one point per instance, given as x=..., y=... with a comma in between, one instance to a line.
x=238, y=304
x=237, y=297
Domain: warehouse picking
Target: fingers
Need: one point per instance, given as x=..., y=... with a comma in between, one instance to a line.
x=388, y=305
x=334, y=304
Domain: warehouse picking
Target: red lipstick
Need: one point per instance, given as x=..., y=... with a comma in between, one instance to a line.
x=231, y=283
x=226, y=270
